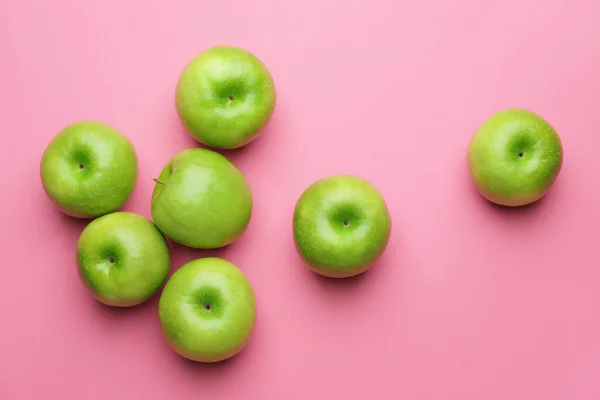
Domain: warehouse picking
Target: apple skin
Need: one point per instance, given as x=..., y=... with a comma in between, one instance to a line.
x=122, y=258
x=224, y=97
x=515, y=157
x=341, y=226
x=89, y=169
x=207, y=310
x=203, y=200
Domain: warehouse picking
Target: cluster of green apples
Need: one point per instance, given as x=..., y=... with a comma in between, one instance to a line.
x=341, y=223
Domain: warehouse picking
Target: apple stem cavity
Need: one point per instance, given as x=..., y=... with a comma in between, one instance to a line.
x=158, y=181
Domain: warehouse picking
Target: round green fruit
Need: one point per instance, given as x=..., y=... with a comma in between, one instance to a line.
x=515, y=157
x=201, y=200
x=207, y=310
x=89, y=169
x=224, y=97
x=341, y=226
x=123, y=259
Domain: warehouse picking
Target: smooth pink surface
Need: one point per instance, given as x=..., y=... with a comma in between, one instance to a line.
x=470, y=301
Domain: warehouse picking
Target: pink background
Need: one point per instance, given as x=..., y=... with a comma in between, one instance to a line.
x=470, y=301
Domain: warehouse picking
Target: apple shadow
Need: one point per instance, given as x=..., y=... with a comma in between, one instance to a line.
x=514, y=208
x=119, y=313
x=213, y=368
x=181, y=254
x=238, y=154
x=72, y=223
x=528, y=211
x=266, y=133
x=209, y=373
x=339, y=297
x=344, y=285
x=208, y=368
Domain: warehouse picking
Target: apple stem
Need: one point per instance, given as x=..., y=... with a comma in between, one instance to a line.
x=158, y=181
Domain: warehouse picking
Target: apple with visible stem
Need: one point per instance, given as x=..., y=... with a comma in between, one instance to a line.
x=122, y=258
x=89, y=169
x=207, y=310
x=341, y=226
x=224, y=97
x=515, y=157
x=201, y=200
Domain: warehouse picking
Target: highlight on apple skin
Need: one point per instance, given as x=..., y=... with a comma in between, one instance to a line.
x=89, y=169
x=207, y=310
x=225, y=97
x=122, y=259
x=201, y=200
x=341, y=226
x=515, y=157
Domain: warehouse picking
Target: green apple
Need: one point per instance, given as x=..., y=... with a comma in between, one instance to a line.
x=201, y=200
x=341, y=226
x=89, y=169
x=123, y=259
x=207, y=310
x=515, y=157
x=224, y=97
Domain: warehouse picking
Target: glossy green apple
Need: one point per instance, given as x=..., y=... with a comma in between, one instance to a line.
x=123, y=259
x=341, y=226
x=207, y=310
x=201, y=200
x=89, y=169
x=224, y=97
x=515, y=157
